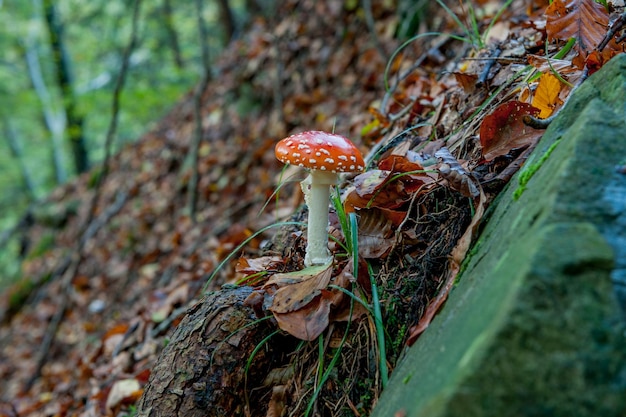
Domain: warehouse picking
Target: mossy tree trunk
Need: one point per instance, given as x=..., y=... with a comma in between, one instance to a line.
x=202, y=371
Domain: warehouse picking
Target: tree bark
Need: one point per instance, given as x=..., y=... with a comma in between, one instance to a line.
x=53, y=118
x=16, y=152
x=64, y=78
x=228, y=20
x=202, y=371
x=172, y=35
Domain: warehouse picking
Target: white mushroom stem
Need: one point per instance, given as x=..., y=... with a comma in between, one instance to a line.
x=316, y=189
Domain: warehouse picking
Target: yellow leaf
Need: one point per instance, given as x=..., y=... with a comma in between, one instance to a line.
x=374, y=124
x=547, y=95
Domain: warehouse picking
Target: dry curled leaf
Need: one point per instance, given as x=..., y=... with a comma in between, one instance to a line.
x=386, y=189
x=253, y=265
x=304, y=303
x=299, y=288
x=452, y=171
x=376, y=233
x=308, y=322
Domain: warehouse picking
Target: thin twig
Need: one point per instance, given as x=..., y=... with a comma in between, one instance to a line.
x=488, y=65
x=613, y=29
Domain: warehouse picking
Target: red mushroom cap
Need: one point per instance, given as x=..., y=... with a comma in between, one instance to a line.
x=320, y=150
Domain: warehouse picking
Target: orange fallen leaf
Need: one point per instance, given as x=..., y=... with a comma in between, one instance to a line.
x=399, y=163
x=119, y=328
x=547, y=95
x=467, y=81
x=584, y=20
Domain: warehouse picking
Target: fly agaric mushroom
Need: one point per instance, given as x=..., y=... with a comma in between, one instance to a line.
x=324, y=155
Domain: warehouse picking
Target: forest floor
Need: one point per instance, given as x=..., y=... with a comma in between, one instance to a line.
x=441, y=120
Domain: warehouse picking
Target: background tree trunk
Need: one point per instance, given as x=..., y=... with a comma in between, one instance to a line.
x=64, y=78
x=53, y=118
x=228, y=20
x=172, y=35
x=16, y=151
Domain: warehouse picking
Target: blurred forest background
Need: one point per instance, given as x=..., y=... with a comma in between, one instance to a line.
x=60, y=60
x=59, y=66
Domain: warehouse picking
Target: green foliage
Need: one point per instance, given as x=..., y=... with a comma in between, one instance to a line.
x=411, y=14
x=132, y=412
x=95, y=35
x=604, y=3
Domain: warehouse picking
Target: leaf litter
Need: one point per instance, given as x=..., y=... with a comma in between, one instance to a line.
x=443, y=139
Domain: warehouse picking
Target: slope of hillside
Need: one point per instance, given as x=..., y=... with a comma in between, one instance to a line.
x=444, y=120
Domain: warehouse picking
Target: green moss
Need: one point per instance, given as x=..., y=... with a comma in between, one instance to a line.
x=531, y=169
x=533, y=327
